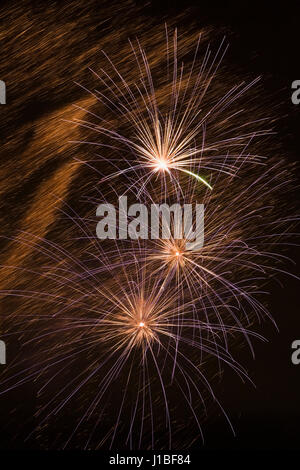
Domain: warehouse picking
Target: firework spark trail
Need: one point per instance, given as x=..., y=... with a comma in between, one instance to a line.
x=139, y=323
x=172, y=140
x=223, y=245
x=139, y=318
x=136, y=320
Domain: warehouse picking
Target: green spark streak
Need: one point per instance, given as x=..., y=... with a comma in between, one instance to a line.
x=197, y=178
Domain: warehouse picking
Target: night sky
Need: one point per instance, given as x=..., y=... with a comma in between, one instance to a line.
x=47, y=47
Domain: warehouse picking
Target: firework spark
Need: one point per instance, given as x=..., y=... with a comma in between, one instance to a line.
x=126, y=332
x=170, y=131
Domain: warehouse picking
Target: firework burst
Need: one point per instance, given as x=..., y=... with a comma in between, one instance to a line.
x=167, y=131
x=126, y=332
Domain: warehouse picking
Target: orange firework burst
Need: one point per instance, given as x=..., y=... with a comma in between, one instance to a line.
x=169, y=129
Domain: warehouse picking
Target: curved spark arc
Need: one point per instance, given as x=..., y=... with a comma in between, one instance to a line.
x=198, y=177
